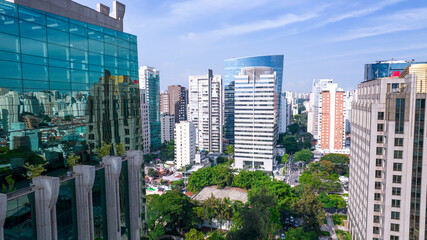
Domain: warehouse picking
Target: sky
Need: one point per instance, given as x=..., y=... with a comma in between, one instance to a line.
x=319, y=39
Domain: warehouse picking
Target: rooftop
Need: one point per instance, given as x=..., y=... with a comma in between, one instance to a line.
x=233, y=193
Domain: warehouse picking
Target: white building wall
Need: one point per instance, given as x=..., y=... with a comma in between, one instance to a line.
x=256, y=123
x=185, y=143
x=318, y=85
x=285, y=114
x=167, y=127
x=205, y=111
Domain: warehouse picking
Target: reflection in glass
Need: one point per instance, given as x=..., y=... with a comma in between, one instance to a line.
x=20, y=221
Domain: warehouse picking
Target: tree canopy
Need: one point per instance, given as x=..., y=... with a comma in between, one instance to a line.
x=304, y=155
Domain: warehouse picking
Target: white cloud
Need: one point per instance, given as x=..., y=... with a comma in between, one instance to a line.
x=411, y=19
x=233, y=30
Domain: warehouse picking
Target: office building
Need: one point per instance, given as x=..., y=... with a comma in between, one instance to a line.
x=150, y=81
x=387, y=185
x=178, y=102
x=145, y=123
x=67, y=85
x=256, y=118
x=205, y=110
x=285, y=114
x=318, y=85
x=232, y=67
x=331, y=122
x=185, y=144
x=387, y=68
x=168, y=125
x=164, y=103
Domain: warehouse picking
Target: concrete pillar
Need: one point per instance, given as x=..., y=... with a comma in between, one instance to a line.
x=46, y=195
x=3, y=213
x=113, y=167
x=85, y=177
x=134, y=161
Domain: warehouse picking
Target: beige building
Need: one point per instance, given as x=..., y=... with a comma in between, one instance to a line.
x=388, y=184
x=167, y=127
x=164, y=103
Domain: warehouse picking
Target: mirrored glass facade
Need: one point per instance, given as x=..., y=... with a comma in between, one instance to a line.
x=66, y=86
x=232, y=68
x=384, y=69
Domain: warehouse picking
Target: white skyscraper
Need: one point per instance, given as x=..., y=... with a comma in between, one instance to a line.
x=318, y=85
x=185, y=143
x=388, y=180
x=168, y=124
x=145, y=123
x=256, y=118
x=205, y=110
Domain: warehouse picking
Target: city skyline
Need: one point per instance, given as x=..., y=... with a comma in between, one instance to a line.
x=322, y=41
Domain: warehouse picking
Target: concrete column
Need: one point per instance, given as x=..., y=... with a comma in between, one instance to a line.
x=85, y=177
x=3, y=213
x=134, y=161
x=46, y=195
x=113, y=167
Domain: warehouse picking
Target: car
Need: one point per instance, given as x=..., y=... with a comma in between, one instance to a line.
x=296, y=223
x=292, y=219
x=287, y=221
x=283, y=236
x=296, y=180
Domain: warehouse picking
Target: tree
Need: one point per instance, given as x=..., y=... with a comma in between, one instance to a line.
x=294, y=128
x=285, y=158
x=300, y=234
x=290, y=144
x=10, y=187
x=120, y=149
x=304, y=155
x=152, y=172
x=34, y=170
x=246, y=178
x=104, y=150
x=149, y=158
x=340, y=162
x=193, y=234
x=230, y=150
x=220, y=175
x=177, y=185
x=260, y=218
x=72, y=160
x=167, y=151
x=171, y=212
x=310, y=210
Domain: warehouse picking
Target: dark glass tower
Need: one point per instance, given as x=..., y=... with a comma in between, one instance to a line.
x=232, y=68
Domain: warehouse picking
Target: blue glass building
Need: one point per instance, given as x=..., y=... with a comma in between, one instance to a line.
x=383, y=69
x=66, y=87
x=232, y=67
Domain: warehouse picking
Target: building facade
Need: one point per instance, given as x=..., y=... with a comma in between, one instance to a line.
x=185, y=143
x=164, y=103
x=256, y=118
x=168, y=125
x=387, y=186
x=145, y=123
x=385, y=69
x=318, y=85
x=69, y=84
x=331, y=123
x=150, y=81
x=285, y=114
x=205, y=110
x=178, y=102
x=232, y=67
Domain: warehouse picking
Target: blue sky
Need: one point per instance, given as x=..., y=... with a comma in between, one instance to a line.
x=319, y=39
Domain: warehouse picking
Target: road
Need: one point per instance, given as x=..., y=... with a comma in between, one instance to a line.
x=292, y=172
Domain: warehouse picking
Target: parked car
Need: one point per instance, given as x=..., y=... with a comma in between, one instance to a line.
x=292, y=219
x=296, y=223
x=283, y=236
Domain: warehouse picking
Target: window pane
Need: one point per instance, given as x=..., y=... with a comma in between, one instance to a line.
x=11, y=83
x=34, y=59
x=33, y=47
x=10, y=69
x=33, y=31
x=59, y=74
x=58, y=37
x=96, y=46
x=96, y=59
x=111, y=50
x=59, y=63
x=59, y=52
x=9, y=25
x=8, y=9
x=124, y=53
x=8, y=56
x=78, y=56
x=60, y=86
x=78, y=42
x=34, y=72
x=79, y=76
x=78, y=30
x=35, y=85
x=31, y=15
x=55, y=22
x=9, y=43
